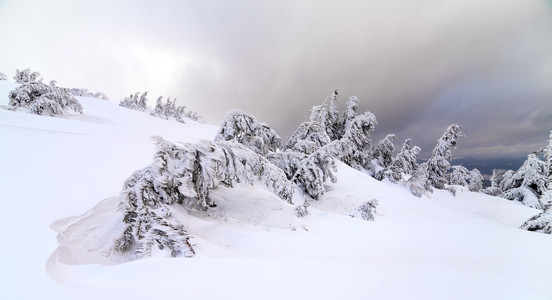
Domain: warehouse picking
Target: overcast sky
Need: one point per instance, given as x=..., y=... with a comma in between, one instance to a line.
x=417, y=65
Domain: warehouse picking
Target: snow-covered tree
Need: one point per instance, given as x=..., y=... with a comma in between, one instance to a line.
x=506, y=180
x=86, y=93
x=459, y=175
x=136, y=102
x=419, y=182
x=350, y=113
x=404, y=162
x=309, y=137
x=39, y=98
x=382, y=155
x=159, y=109
x=316, y=168
x=184, y=174
x=3, y=76
x=333, y=125
x=27, y=76
x=475, y=180
x=288, y=161
x=439, y=164
x=496, y=178
x=528, y=183
x=357, y=140
x=247, y=130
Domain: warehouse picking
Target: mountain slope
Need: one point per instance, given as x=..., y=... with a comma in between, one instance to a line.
x=251, y=245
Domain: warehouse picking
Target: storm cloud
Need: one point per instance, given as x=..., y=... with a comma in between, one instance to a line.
x=417, y=65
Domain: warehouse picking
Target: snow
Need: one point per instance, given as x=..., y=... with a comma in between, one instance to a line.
x=64, y=175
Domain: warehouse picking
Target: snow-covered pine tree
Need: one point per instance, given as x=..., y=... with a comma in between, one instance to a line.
x=543, y=221
x=245, y=129
x=494, y=189
x=136, y=102
x=39, y=98
x=475, y=180
x=419, y=182
x=314, y=170
x=3, y=76
x=357, y=139
x=528, y=183
x=350, y=113
x=184, y=174
x=506, y=180
x=309, y=137
x=159, y=110
x=404, y=162
x=334, y=127
x=27, y=76
x=459, y=175
x=439, y=164
x=287, y=160
x=382, y=156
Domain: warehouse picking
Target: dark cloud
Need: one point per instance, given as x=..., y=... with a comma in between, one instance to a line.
x=417, y=65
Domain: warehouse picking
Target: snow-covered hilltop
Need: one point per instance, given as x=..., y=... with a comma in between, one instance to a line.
x=70, y=174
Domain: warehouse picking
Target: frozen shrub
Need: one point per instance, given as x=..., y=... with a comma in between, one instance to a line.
x=38, y=98
x=366, y=211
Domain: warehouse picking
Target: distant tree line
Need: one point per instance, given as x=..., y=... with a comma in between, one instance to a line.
x=165, y=109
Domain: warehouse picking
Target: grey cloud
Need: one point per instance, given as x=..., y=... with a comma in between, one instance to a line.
x=417, y=65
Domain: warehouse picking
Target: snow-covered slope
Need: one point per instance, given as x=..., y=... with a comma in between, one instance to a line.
x=251, y=246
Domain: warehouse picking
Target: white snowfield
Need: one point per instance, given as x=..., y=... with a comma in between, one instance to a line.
x=251, y=246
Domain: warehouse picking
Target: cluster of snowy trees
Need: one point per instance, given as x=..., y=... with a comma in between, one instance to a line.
x=247, y=151
x=531, y=184
x=165, y=109
x=86, y=93
x=184, y=174
x=36, y=97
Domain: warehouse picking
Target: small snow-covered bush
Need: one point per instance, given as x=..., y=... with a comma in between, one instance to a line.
x=366, y=211
x=39, y=98
x=3, y=76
